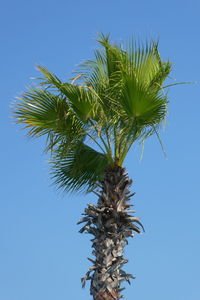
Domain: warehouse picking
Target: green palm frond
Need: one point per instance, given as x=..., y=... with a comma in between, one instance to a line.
x=48, y=114
x=83, y=99
x=139, y=102
x=79, y=169
x=49, y=79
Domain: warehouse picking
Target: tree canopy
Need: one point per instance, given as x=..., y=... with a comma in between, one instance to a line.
x=90, y=123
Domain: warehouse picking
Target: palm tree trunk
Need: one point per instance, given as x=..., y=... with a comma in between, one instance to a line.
x=111, y=223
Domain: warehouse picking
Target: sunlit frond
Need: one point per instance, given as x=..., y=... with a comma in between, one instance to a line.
x=44, y=113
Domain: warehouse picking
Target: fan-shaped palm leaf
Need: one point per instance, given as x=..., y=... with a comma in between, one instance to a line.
x=78, y=169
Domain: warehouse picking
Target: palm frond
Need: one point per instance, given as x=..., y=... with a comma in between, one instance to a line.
x=79, y=169
x=48, y=114
x=137, y=101
x=82, y=99
x=49, y=79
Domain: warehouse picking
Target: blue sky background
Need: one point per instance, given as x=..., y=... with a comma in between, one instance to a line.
x=42, y=255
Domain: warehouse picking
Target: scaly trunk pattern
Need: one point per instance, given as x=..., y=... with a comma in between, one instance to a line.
x=111, y=223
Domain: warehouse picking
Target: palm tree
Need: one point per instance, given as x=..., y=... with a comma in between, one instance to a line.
x=90, y=124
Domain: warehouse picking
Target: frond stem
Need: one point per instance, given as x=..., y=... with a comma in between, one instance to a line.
x=126, y=149
x=94, y=140
x=108, y=140
x=128, y=146
x=159, y=139
x=102, y=140
x=115, y=142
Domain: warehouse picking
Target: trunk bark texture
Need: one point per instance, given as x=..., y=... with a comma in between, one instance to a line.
x=111, y=223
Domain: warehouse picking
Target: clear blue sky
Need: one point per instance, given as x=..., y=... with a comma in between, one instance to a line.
x=42, y=255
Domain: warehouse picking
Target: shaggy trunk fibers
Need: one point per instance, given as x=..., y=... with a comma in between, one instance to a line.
x=111, y=223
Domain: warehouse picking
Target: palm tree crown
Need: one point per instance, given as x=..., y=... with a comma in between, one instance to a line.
x=91, y=123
